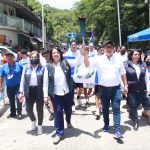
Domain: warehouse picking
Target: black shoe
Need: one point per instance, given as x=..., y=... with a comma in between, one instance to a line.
x=51, y=117
x=69, y=125
x=149, y=122
x=97, y=118
x=11, y=116
x=130, y=116
x=87, y=104
x=135, y=125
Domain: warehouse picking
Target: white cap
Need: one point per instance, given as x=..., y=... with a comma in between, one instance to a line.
x=91, y=44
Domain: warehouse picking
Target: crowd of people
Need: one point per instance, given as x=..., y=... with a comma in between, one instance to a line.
x=47, y=77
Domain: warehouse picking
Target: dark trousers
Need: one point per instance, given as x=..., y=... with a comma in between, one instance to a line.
x=12, y=94
x=30, y=104
x=61, y=103
x=134, y=99
x=113, y=94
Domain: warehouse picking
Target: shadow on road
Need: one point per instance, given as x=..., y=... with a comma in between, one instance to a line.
x=75, y=132
x=3, y=110
x=124, y=129
x=142, y=122
x=46, y=130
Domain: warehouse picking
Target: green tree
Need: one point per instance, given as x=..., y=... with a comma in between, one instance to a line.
x=101, y=17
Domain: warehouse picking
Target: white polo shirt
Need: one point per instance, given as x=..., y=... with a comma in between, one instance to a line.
x=109, y=69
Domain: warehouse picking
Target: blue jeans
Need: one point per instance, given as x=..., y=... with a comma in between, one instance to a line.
x=12, y=94
x=134, y=99
x=113, y=94
x=61, y=103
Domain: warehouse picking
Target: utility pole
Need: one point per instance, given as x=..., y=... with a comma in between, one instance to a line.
x=43, y=25
x=120, y=42
x=148, y=2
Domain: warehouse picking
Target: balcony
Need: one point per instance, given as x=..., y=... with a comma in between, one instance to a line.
x=19, y=23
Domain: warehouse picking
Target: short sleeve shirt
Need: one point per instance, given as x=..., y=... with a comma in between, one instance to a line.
x=12, y=74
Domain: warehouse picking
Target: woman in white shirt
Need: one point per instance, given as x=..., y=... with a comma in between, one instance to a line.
x=31, y=87
x=59, y=85
x=138, y=82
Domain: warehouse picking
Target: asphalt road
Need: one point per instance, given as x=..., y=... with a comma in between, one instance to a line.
x=87, y=133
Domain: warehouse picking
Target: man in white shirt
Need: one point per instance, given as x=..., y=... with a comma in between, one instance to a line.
x=110, y=69
x=123, y=54
x=89, y=86
x=92, y=51
x=72, y=53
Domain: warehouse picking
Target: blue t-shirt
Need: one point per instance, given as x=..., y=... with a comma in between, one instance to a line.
x=12, y=74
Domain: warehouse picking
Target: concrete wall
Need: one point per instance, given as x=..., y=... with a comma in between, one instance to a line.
x=10, y=35
x=11, y=11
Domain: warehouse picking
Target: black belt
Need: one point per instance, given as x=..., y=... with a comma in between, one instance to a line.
x=33, y=87
x=101, y=86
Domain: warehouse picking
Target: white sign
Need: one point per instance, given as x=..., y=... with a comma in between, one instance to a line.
x=83, y=74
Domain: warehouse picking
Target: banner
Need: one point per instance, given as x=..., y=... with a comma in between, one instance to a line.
x=83, y=74
x=2, y=92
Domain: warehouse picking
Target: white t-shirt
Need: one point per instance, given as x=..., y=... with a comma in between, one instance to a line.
x=71, y=54
x=124, y=57
x=25, y=61
x=92, y=53
x=109, y=69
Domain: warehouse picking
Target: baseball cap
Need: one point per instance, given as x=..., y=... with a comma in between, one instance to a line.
x=9, y=53
x=109, y=42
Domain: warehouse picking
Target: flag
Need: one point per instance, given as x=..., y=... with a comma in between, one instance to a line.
x=72, y=38
x=92, y=37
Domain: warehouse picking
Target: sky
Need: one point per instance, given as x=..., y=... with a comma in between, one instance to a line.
x=61, y=4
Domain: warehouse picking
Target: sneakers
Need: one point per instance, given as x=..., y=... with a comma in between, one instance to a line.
x=97, y=114
x=51, y=117
x=87, y=104
x=33, y=127
x=79, y=102
x=149, y=122
x=106, y=128
x=69, y=125
x=11, y=116
x=39, y=130
x=135, y=125
x=20, y=117
x=57, y=139
x=118, y=134
x=74, y=108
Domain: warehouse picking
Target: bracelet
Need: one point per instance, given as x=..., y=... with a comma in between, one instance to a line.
x=126, y=86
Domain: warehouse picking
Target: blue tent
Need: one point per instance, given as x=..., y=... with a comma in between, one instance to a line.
x=143, y=35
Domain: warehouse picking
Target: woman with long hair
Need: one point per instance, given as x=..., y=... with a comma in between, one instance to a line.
x=138, y=82
x=59, y=85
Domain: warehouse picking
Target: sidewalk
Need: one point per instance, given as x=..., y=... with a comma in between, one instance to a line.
x=87, y=133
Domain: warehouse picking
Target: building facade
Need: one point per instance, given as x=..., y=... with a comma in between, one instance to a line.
x=19, y=26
